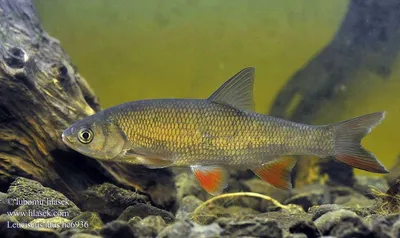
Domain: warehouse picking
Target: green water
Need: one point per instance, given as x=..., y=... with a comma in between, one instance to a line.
x=131, y=49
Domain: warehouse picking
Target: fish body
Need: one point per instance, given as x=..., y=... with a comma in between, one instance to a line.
x=202, y=132
x=221, y=131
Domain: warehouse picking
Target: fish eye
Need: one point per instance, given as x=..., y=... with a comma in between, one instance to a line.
x=85, y=136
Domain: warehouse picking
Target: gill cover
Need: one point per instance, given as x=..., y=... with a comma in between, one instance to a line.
x=114, y=141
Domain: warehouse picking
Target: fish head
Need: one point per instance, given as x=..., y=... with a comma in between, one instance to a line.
x=95, y=137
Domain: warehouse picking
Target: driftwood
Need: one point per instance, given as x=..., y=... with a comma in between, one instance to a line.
x=41, y=94
x=368, y=40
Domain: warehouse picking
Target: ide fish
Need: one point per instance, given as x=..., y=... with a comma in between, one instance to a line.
x=210, y=135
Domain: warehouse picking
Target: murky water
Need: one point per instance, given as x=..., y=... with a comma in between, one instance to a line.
x=131, y=49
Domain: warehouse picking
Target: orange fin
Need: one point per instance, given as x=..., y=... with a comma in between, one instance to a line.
x=365, y=163
x=212, y=178
x=277, y=173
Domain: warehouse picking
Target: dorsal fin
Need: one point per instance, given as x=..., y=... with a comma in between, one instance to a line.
x=237, y=91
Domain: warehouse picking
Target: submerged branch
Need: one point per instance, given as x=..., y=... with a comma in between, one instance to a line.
x=367, y=40
x=41, y=94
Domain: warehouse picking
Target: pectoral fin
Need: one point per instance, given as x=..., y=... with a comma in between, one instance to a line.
x=155, y=163
x=150, y=162
x=277, y=173
x=212, y=178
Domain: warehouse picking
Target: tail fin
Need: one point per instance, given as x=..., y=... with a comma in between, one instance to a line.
x=348, y=148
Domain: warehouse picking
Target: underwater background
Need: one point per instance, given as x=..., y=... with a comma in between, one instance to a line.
x=131, y=50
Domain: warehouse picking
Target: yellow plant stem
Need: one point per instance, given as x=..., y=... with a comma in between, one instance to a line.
x=239, y=194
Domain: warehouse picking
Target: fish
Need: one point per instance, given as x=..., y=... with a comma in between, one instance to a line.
x=211, y=135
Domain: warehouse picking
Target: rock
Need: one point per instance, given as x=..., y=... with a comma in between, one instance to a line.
x=134, y=220
x=392, y=219
x=315, y=194
x=33, y=200
x=3, y=203
x=52, y=223
x=109, y=201
x=88, y=221
x=143, y=210
x=212, y=230
x=257, y=185
x=345, y=195
x=14, y=229
x=71, y=232
x=318, y=211
x=209, y=214
x=240, y=173
x=179, y=229
x=327, y=221
x=396, y=229
x=307, y=199
x=235, y=186
x=285, y=219
x=388, y=220
x=363, y=184
x=5, y=218
x=354, y=201
x=149, y=226
x=187, y=206
x=255, y=203
x=186, y=184
x=120, y=229
x=306, y=227
x=188, y=229
x=382, y=225
x=258, y=227
x=20, y=214
x=240, y=211
x=83, y=235
x=297, y=235
x=155, y=222
x=351, y=227
x=380, y=230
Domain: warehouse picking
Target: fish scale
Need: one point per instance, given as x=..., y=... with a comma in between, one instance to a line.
x=221, y=131
x=208, y=132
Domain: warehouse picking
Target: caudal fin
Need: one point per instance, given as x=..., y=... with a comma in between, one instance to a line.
x=348, y=148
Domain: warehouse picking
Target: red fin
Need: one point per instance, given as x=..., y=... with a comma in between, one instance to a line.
x=364, y=163
x=277, y=173
x=212, y=178
x=348, y=148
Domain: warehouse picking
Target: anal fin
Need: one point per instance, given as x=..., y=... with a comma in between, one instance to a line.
x=212, y=178
x=277, y=172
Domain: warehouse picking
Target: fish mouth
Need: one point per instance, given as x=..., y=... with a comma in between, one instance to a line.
x=65, y=139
